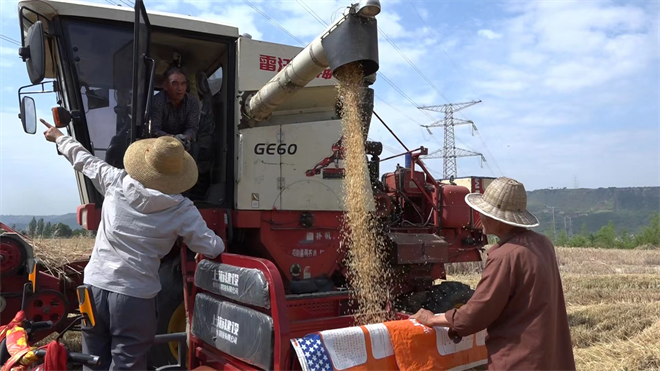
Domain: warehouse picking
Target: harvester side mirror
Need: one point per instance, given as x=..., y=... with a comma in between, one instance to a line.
x=86, y=305
x=29, y=115
x=33, y=53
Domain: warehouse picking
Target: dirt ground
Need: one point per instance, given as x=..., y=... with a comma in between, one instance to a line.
x=613, y=303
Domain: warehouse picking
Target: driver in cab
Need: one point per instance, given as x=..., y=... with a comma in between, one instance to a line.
x=175, y=111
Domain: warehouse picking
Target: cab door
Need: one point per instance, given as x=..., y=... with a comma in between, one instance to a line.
x=144, y=68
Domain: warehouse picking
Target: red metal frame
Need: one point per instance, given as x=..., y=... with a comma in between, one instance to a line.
x=201, y=353
x=274, y=236
x=65, y=284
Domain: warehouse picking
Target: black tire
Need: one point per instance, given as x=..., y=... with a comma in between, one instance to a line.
x=448, y=295
x=169, y=299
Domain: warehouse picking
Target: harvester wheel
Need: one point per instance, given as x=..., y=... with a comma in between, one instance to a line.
x=170, y=302
x=47, y=305
x=448, y=295
x=13, y=254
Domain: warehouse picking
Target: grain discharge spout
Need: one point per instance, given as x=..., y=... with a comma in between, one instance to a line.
x=352, y=38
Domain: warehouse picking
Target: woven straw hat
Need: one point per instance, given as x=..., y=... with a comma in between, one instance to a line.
x=161, y=164
x=505, y=200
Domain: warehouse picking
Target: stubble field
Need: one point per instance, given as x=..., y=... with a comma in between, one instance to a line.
x=612, y=296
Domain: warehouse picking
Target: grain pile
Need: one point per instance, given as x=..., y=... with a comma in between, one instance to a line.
x=368, y=275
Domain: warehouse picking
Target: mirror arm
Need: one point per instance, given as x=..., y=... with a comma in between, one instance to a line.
x=54, y=89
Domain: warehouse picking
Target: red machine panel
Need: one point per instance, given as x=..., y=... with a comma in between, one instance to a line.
x=455, y=211
x=403, y=181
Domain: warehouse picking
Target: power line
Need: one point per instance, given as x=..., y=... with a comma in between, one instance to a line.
x=395, y=87
x=412, y=64
x=451, y=60
x=397, y=111
x=469, y=85
x=320, y=20
x=10, y=40
x=311, y=12
x=271, y=20
x=127, y=3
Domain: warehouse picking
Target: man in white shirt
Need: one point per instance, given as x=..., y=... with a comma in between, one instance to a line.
x=143, y=214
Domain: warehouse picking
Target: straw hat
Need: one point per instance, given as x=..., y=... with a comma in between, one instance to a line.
x=505, y=200
x=161, y=164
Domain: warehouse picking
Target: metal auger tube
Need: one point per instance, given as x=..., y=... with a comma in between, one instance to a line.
x=352, y=38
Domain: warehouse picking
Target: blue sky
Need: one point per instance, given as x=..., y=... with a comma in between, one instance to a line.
x=570, y=89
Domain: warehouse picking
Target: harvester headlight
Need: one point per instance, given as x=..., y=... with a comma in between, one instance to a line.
x=368, y=8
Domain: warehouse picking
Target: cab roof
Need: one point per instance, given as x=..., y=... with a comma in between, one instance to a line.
x=52, y=8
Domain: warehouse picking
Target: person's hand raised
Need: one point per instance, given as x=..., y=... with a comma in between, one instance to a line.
x=52, y=133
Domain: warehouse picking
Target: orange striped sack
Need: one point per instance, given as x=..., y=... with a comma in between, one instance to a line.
x=348, y=349
x=420, y=348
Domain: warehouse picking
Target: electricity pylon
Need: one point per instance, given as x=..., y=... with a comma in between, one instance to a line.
x=449, y=152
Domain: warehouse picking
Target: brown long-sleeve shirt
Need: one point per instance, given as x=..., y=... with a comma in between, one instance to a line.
x=520, y=301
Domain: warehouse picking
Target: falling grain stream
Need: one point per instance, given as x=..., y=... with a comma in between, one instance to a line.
x=368, y=275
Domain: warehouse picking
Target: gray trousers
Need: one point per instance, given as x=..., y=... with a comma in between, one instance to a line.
x=124, y=331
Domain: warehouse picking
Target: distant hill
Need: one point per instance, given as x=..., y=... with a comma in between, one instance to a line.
x=22, y=221
x=629, y=208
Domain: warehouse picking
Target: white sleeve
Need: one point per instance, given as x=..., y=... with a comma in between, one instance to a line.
x=198, y=236
x=98, y=171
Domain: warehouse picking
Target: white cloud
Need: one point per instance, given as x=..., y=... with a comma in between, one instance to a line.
x=565, y=48
x=392, y=63
x=203, y=5
x=241, y=16
x=556, y=78
x=489, y=34
x=4, y=50
x=390, y=23
x=6, y=63
x=165, y=6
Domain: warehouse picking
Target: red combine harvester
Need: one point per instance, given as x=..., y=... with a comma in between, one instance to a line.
x=269, y=115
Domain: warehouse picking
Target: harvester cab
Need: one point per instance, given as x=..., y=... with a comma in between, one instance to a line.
x=270, y=160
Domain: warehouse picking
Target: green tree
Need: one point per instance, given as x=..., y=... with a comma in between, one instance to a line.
x=48, y=230
x=650, y=235
x=562, y=239
x=583, y=239
x=40, y=227
x=578, y=241
x=627, y=241
x=606, y=236
x=32, y=227
x=62, y=230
